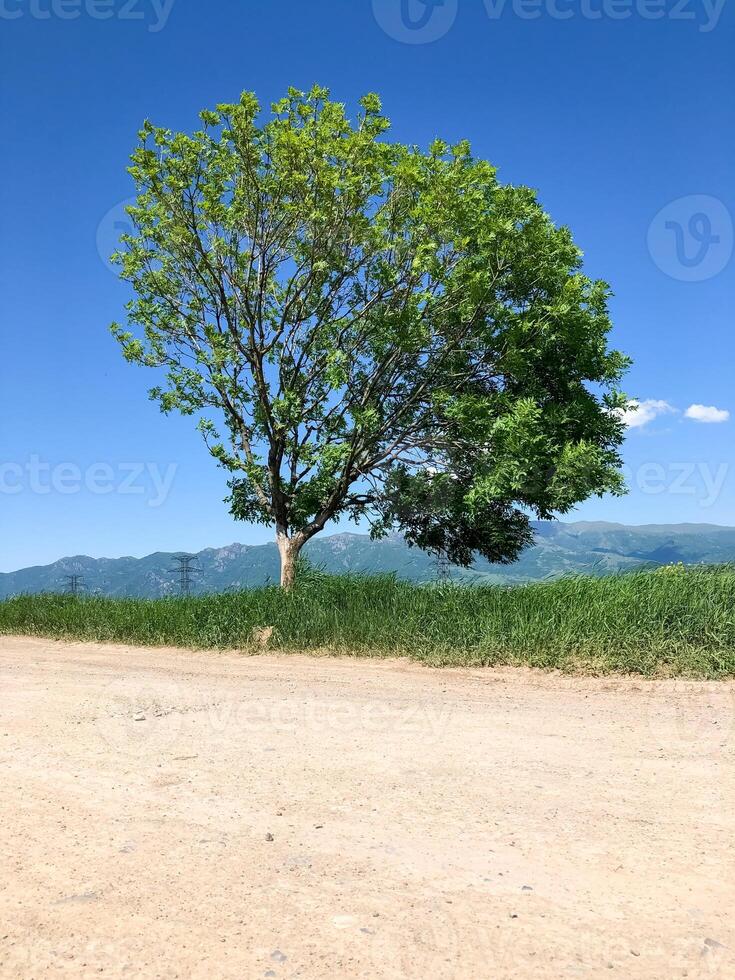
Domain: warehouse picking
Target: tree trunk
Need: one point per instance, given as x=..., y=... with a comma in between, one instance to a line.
x=289, y=549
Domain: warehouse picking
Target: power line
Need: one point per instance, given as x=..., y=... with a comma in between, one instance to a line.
x=184, y=570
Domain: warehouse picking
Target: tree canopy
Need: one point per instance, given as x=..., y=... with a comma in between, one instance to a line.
x=365, y=328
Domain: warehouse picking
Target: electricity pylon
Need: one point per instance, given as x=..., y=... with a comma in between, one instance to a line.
x=74, y=584
x=185, y=570
x=443, y=568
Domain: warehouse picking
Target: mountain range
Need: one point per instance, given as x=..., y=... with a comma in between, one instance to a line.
x=585, y=547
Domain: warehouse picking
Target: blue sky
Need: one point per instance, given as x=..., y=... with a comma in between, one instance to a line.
x=620, y=112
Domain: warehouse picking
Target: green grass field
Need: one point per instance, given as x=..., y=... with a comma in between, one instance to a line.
x=673, y=621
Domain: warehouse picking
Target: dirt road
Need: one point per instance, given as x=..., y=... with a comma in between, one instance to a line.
x=174, y=814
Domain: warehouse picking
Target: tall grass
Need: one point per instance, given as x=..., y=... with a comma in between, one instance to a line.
x=675, y=621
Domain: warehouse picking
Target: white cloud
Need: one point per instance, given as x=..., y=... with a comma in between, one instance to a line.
x=707, y=413
x=641, y=413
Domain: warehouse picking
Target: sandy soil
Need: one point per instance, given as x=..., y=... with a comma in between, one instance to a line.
x=174, y=814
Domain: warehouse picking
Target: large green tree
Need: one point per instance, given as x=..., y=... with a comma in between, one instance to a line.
x=364, y=328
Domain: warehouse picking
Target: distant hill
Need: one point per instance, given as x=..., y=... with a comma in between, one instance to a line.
x=594, y=548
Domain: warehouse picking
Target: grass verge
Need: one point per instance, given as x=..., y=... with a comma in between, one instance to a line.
x=673, y=621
